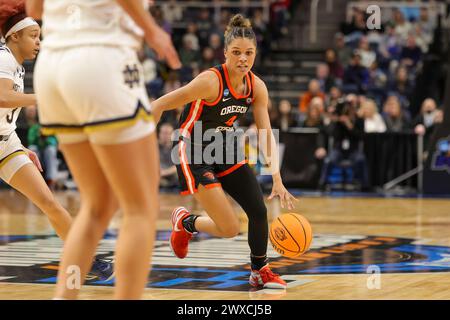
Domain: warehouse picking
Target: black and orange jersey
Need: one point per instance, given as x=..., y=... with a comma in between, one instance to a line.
x=219, y=115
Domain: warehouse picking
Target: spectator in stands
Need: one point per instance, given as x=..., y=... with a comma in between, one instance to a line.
x=402, y=27
x=171, y=11
x=343, y=52
x=425, y=22
x=333, y=97
x=356, y=76
x=389, y=48
x=279, y=11
x=377, y=78
x=153, y=83
x=326, y=80
x=191, y=35
x=430, y=116
x=259, y=26
x=357, y=27
x=330, y=103
x=188, y=55
x=347, y=130
x=263, y=36
x=411, y=53
x=285, y=118
x=168, y=171
x=335, y=67
x=225, y=16
x=172, y=82
x=158, y=15
x=313, y=91
x=46, y=147
x=393, y=116
x=314, y=118
x=215, y=43
x=423, y=40
x=402, y=86
x=373, y=121
x=368, y=56
x=208, y=59
x=205, y=25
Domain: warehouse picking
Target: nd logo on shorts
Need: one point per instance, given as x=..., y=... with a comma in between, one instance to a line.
x=131, y=75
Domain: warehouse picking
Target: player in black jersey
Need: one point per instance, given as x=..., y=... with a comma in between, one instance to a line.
x=214, y=100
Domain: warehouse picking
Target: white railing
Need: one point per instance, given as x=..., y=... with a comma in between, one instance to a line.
x=219, y=5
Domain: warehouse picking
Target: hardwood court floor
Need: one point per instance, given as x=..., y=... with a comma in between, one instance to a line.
x=408, y=240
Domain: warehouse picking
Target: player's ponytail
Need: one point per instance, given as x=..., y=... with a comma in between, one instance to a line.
x=239, y=27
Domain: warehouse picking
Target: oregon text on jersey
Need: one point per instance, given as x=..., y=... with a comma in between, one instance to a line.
x=233, y=109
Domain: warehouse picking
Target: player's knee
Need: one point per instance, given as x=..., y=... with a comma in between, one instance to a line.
x=261, y=213
x=98, y=208
x=258, y=213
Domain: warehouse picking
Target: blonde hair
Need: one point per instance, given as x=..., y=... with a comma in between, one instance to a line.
x=369, y=106
x=239, y=27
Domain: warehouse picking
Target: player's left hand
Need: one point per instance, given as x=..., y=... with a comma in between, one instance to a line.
x=286, y=199
x=34, y=158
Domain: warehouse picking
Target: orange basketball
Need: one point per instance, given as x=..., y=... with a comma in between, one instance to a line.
x=290, y=234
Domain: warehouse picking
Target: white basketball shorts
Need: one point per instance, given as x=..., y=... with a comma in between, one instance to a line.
x=93, y=93
x=12, y=157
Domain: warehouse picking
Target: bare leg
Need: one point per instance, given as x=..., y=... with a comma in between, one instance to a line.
x=28, y=181
x=133, y=172
x=222, y=221
x=98, y=205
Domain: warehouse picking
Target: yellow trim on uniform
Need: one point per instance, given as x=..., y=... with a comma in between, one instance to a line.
x=113, y=124
x=53, y=131
x=4, y=161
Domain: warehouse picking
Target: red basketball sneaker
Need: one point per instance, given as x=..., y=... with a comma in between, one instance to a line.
x=265, y=277
x=179, y=239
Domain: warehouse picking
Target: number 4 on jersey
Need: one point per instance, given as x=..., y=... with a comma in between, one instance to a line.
x=231, y=121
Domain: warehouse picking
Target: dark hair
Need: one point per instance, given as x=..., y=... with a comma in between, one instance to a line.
x=11, y=12
x=239, y=27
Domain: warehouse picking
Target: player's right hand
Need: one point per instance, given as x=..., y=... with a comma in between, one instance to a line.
x=160, y=41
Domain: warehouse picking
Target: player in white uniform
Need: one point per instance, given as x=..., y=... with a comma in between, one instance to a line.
x=18, y=165
x=91, y=94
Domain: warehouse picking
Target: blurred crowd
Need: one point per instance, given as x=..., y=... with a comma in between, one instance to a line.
x=366, y=82
x=198, y=36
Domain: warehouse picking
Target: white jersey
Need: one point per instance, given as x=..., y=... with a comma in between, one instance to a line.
x=74, y=23
x=12, y=70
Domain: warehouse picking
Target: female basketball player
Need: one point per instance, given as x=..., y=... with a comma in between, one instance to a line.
x=19, y=167
x=90, y=92
x=217, y=98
